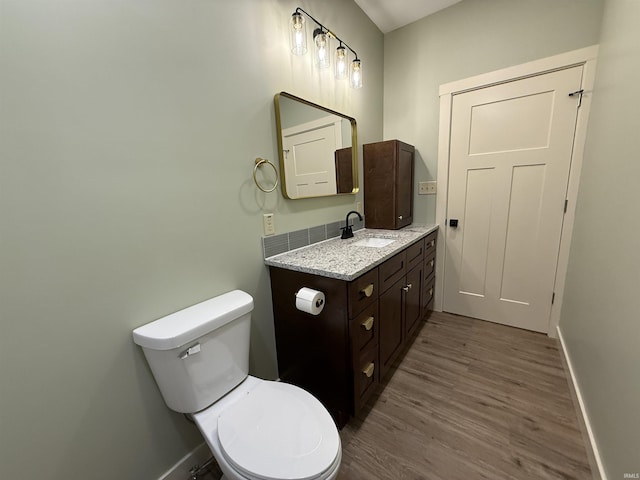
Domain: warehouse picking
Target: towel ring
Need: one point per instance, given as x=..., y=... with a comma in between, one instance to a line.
x=259, y=163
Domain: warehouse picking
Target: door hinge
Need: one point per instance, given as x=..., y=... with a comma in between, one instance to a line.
x=553, y=297
x=579, y=94
x=566, y=202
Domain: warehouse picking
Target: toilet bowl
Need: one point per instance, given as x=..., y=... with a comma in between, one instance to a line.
x=265, y=430
x=256, y=429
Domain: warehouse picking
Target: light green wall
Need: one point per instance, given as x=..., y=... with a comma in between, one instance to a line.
x=128, y=136
x=600, y=319
x=469, y=38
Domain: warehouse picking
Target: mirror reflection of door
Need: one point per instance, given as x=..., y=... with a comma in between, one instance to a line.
x=315, y=148
x=309, y=152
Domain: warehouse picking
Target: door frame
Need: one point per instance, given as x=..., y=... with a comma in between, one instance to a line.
x=587, y=58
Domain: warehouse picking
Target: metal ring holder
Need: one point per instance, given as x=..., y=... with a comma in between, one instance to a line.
x=259, y=163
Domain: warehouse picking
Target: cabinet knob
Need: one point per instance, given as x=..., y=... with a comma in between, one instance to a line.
x=431, y=263
x=368, y=290
x=407, y=287
x=368, y=323
x=431, y=292
x=368, y=371
x=399, y=217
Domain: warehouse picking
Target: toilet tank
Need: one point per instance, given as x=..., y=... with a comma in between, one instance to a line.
x=201, y=353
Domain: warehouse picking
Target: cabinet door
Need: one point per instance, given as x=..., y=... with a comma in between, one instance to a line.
x=388, y=184
x=404, y=185
x=391, y=331
x=412, y=304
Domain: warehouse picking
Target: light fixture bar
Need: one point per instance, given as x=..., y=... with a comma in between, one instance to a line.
x=329, y=32
x=321, y=36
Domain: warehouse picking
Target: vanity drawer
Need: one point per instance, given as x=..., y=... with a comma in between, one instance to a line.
x=392, y=270
x=430, y=243
x=429, y=265
x=427, y=294
x=415, y=254
x=365, y=376
x=363, y=291
x=363, y=330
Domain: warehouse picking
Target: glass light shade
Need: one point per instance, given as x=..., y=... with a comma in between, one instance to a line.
x=341, y=66
x=356, y=74
x=298, y=32
x=322, y=43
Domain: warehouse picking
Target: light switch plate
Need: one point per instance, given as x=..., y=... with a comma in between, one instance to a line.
x=427, y=188
x=268, y=224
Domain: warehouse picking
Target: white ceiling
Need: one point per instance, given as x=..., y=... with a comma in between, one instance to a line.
x=391, y=14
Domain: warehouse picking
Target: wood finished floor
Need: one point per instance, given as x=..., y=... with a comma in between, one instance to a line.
x=469, y=400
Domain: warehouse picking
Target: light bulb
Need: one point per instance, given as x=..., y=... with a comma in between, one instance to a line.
x=321, y=41
x=356, y=74
x=341, y=63
x=298, y=34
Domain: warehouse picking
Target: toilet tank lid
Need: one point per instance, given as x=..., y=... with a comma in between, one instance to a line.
x=193, y=322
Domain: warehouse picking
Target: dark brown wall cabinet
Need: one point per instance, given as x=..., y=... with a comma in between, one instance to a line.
x=388, y=184
x=341, y=355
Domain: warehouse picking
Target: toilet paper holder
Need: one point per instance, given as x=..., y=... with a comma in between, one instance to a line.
x=319, y=302
x=309, y=300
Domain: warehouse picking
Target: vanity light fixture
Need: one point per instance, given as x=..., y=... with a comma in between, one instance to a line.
x=322, y=48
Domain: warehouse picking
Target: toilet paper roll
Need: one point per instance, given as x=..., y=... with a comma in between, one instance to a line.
x=309, y=300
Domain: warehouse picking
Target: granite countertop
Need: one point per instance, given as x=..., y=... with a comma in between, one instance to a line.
x=341, y=259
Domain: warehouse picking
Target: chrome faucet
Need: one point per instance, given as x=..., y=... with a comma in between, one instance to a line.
x=347, y=231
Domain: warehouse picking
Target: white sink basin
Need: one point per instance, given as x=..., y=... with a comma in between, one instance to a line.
x=374, y=242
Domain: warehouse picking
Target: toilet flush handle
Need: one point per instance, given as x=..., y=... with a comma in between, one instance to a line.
x=192, y=350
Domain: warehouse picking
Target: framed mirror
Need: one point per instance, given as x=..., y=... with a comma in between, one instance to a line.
x=317, y=148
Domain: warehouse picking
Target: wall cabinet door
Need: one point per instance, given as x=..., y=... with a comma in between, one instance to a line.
x=404, y=184
x=388, y=184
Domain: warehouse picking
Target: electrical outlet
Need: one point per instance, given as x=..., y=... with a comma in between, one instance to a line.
x=427, y=188
x=268, y=224
x=359, y=207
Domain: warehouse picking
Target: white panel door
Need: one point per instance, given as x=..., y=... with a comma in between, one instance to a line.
x=309, y=152
x=510, y=155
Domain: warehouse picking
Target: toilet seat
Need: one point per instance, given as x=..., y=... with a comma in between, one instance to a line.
x=278, y=431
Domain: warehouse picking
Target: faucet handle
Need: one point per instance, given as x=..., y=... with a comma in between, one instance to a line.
x=347, y=232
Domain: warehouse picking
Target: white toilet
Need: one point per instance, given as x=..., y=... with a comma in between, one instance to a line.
x=256, y=429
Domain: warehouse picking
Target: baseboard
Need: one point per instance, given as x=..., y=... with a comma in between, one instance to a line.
x=595, y=461
x=180, y=471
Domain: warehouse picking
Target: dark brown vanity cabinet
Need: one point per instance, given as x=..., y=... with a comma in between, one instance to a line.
x=341, y=355
x=333, y=355
x=388, y=184
x=400, y=302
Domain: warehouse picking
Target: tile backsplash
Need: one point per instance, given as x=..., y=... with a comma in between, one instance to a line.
x=284, y=242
